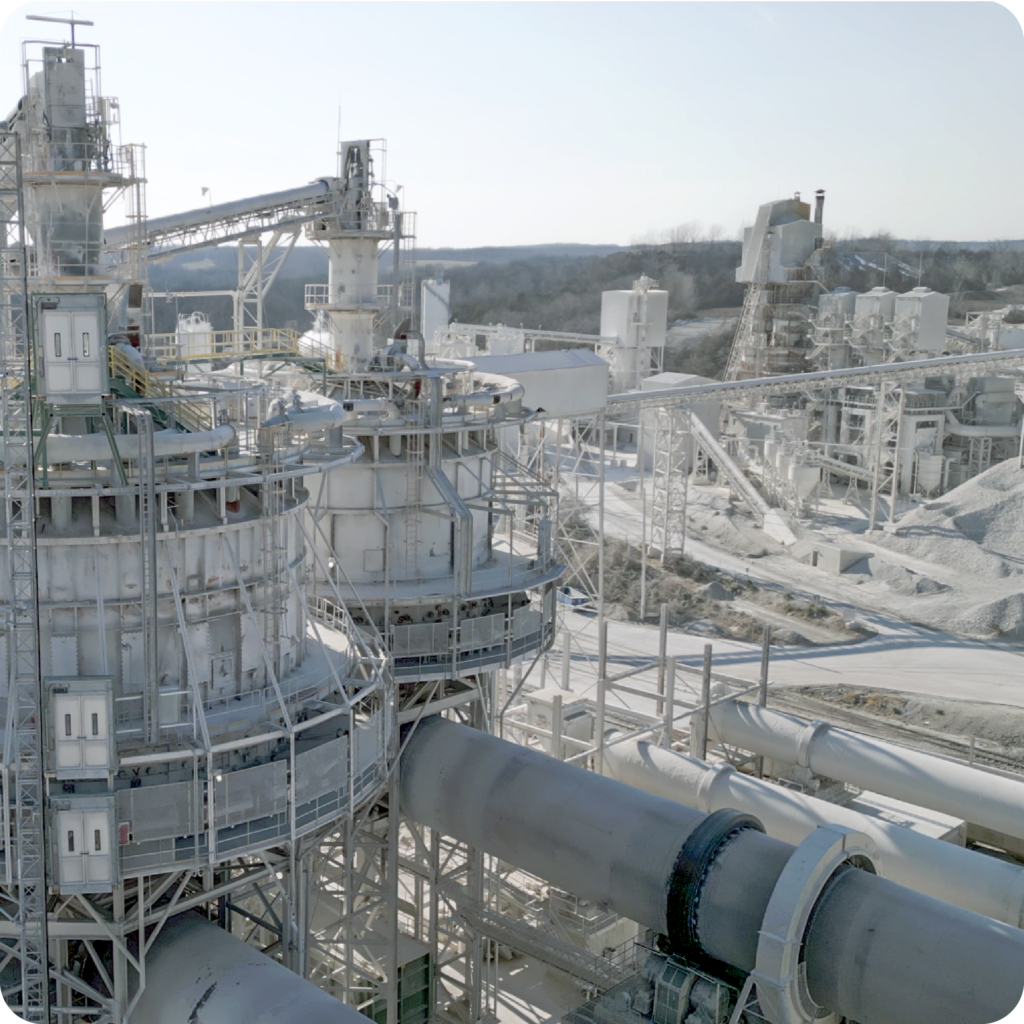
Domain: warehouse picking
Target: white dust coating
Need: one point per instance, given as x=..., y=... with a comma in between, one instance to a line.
x=196, y=973
x=952, y=873
x=975, y=532
x=992, y=801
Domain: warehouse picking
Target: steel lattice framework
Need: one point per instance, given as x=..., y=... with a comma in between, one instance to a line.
x=797, y=383
x=22, y=627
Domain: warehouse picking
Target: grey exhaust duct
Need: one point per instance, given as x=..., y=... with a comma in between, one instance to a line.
x=817, y=933
x=981, y=798
x=948, y=872
x=196, y=973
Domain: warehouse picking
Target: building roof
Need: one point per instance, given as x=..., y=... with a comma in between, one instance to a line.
x=522, y=362
x=668, y=379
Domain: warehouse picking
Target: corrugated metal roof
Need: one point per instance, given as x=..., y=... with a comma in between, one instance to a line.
x=522, y=362
x=668, y=379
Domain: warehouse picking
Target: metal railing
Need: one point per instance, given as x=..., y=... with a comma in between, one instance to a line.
x=79, y=155
x=195, y=415
x=367, y=297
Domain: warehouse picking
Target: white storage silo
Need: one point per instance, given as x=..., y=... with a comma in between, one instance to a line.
x=929, y=472
x=839, y=303
x=1011, y=336
x=930, y=311
x=637, y=320
x=803, y=477
x=435, y=306
x=879, y=302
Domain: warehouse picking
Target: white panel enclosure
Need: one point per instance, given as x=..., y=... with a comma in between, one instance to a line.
x=81, y=728
x=157, y=812
x=250, y=793
x=930, y=312
x=435, y=306
x=64, y=655
x=72, y=355
x=322, y=770
x=83, y=845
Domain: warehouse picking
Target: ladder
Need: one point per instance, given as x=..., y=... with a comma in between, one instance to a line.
x=147, y=536
x=22, y=626
x=414, y=446
x=272, y=498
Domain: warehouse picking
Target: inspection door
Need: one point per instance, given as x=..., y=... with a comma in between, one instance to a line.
x=81, y=732
x=84, y=847
x=71, y=348
x=96, y=833
x=87, y=370
x=58, y=351
x=71, y=844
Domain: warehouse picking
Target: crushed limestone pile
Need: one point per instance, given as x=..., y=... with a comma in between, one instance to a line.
x=977, y=531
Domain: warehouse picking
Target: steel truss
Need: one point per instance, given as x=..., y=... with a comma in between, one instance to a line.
x=796, y=383
x=258, y=266
x=381, y=881
x=888, y=418
x=673, y=442
x=26, y=881
x=100, y=944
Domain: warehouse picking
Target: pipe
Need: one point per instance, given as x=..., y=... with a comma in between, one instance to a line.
x=321, y=414
x=96, y=447
x=196, y=973
x=387, y=410
x=954, y=426
x=501, y=390
x=948, y=872
x=898, y=957
x=462, y=519
x=980, y=798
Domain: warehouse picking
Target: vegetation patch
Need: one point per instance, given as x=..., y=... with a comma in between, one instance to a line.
x=739, y=611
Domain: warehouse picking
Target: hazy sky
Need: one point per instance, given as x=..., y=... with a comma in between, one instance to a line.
x=515, y=123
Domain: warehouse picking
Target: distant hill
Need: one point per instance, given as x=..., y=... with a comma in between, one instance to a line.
x=509, y=253
x=1014, y=245
x=559, y=286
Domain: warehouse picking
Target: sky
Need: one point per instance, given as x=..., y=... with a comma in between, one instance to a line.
x=525, y=123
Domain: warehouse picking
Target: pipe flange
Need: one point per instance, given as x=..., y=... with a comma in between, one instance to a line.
x=707, y=783
x=779, y=973
x=695, y=857
x=803, y=749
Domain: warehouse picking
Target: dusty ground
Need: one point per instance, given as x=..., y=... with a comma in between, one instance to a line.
x=713, y=602
x=956, y=564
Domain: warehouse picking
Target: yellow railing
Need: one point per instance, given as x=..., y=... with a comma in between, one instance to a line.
x=251, y=343
x=193, y=415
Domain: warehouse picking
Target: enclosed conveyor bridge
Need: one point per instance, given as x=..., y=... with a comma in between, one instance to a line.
x=227, y=222
x=793, y=383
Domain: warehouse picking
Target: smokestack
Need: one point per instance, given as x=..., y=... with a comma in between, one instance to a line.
x=819, y=204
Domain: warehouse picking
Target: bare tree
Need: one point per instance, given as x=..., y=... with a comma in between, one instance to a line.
x=687, y=233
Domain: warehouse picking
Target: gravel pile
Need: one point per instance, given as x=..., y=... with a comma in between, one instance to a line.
x=977, y=531
x=976, y=528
